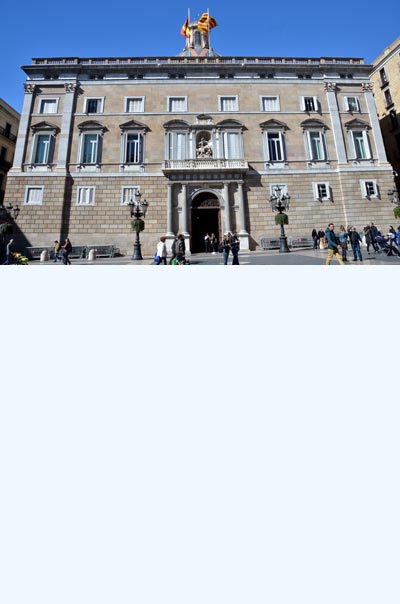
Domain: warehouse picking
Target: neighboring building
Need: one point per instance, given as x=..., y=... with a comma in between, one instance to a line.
x=386, y=81
x=204, y=138
x=9, y=120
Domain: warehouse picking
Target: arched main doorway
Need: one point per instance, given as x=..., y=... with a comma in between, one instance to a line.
x=206, y=218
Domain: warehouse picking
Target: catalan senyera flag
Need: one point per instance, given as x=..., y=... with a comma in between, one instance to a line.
x=185, y=28
x=205, y=23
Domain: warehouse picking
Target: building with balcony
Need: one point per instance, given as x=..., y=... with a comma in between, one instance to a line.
x=9, y=121
x=204, y=138
x=385, y=77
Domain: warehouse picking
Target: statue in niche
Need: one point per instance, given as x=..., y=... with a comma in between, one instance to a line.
x=204, y=149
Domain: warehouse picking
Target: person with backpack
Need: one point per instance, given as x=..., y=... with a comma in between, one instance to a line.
x=333, y=243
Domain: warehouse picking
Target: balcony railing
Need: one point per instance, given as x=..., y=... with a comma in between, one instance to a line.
x=204, y=164
x=4, y=132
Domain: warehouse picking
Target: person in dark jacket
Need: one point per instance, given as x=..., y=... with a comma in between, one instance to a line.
x=180, y=249
x=355, y=241
x=373, y=231
x=314, y=236
x=235, y=245
x=333, y=243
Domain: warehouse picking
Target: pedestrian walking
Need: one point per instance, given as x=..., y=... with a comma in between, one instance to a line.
x=314, y=235
x=173, y=249
x=180, y=249
x=373, y=231
x=355, y=241
x=213, y=243
x=321, y=239
x=207, y=243
x=67, y=248
x=333, y=243
x=9, y=251
x=226, y=246
x=343, y=237
x=235, y=246
x=162, y=251
x=57, y=248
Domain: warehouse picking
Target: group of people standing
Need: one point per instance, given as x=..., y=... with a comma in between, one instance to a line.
x=229, y=244
x=351, y=237
x=210, y=243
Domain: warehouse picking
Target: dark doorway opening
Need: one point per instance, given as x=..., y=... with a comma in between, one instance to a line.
x=206, y=218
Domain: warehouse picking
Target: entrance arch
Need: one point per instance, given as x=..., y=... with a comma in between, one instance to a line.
x=206, y=218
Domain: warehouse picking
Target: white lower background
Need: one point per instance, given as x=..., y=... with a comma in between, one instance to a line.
x=194, y=435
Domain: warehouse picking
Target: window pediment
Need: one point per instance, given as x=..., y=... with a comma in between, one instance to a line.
x=204, y=119
x=357, y=124
x=313, y=123
x=231, y=124
x=273, y=124
x=92, y=125
x=176, y=124
x=45, y=126
x=134, y=125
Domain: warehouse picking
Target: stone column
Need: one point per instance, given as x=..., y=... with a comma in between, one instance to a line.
x=376, y=130
x=23, y=130
x=330, y=88
x=227, y=209
x=185, y=225
x=63, y=145
x=243, y=234
x=170, y=232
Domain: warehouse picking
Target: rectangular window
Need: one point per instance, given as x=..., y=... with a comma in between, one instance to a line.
x=393, y=119
x=135, y=104
x=93, y=105
x=177, y=145
x=352, y=104
x=383, y=76
x=232, y=148
x=42, y=149
x=3, y=153
x=275, y=147
x=90, y=146
x=228, y=103
x=322, y=191
x=316, y=146
x=309, y=103
x=85, y=196
x=134, y=148
x=388, y=98
x=369, y=188
x=128, y=194
x=360, y=144
x=33, y=195
x=270, y=103
x=177, y=104
x=48, y=105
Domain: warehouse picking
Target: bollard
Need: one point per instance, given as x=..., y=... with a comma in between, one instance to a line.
x=92, y=255
x=44, y=256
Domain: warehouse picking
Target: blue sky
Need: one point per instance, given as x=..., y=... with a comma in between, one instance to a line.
x=288, y=29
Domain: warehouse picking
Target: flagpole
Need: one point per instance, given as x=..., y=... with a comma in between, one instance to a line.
x=209, y=29
x=189, y=27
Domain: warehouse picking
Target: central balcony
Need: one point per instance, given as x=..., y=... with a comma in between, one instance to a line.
x=204, y=165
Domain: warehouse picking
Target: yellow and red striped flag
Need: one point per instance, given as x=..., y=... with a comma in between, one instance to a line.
x=205, y=23
x=185, y=28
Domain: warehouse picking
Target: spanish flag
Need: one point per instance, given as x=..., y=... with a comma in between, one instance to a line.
x=205, y=23
x=185, y=28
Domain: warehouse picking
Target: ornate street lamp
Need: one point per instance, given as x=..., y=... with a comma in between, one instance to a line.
x=138, y=209
x=6, y=211
x=393, y=196
x=280, y=202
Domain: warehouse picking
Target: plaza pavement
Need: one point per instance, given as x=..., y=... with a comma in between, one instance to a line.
x=261, y=258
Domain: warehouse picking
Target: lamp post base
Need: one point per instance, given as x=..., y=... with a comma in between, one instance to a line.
x=137, y=254
x=283, y=245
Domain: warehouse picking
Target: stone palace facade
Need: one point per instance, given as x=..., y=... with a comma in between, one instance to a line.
x=204, y=139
